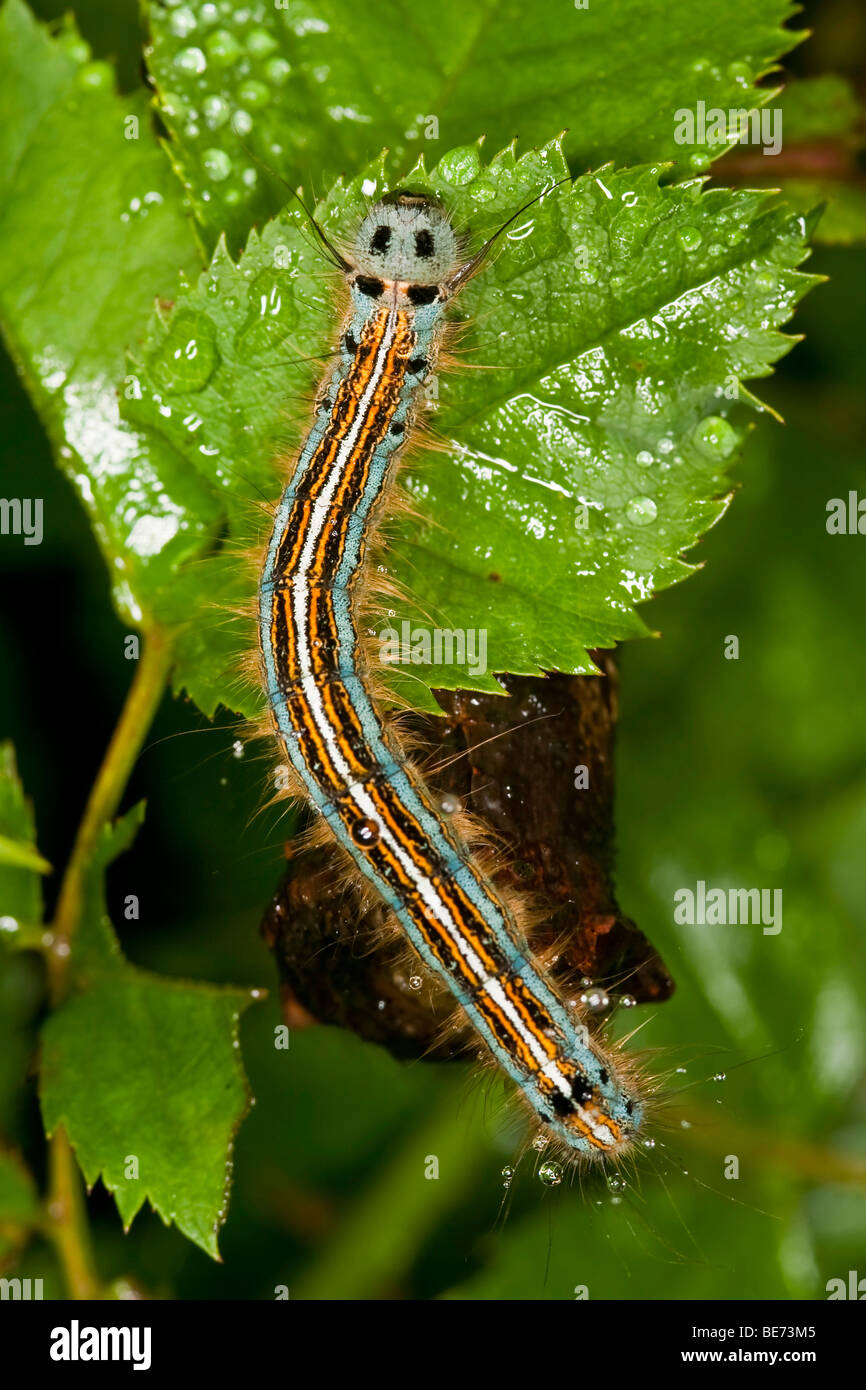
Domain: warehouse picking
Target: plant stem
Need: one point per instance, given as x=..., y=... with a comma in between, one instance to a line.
x=141, y=704
x=67, y=1221
x=67, y=1213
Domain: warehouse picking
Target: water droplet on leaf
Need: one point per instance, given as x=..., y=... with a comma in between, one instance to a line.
x=641, y=510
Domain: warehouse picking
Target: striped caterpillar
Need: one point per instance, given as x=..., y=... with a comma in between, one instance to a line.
x=403, y=271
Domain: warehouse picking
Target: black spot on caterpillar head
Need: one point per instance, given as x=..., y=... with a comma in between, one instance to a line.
x=424, y=244
x=369, y=285
x=398, y=427
x=417, y=366
x=562, y=1105
x=422, y=294
x=350, y=342
x=406, y=237
x=603, y=1076
x=380, y=239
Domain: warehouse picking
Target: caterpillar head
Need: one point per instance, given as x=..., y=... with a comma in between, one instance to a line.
x=591, y=1105
x=406, y=237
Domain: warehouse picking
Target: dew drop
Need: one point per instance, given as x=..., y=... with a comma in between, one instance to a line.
x=254, y=94
x=222, y=47
x=699, y=161
x=366, y=833
x=190, y=60
x=182, y=22
x=628, y=1001
x=277, y=71
x=173, y=105
x=539, y=1143
x=188, y=355
x=740, y=73
x=260, y=43
x=237, y=749
x=616, y=1183
x=460, y=166
x=641, y=510
x=550, y=1174
x=714, y=437
x=648, y=1143
x=720, y=1076
x=449, y=804
x=217, y=165
x=415, y=982
x=645, y=457
x=216, y=111
x=507, y=1176
x=595, y=1000
x=242, y=122
x=689, y=238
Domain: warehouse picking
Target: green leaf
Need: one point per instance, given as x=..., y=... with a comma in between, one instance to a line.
x=21, y=864
x=144, y=1074
x=92, y=228
x=823, y=122
x=819, y=108
x=315, y=90
x=843, y=216
x=618, y=324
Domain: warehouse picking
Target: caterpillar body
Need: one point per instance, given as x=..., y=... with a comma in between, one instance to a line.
x=403, y=271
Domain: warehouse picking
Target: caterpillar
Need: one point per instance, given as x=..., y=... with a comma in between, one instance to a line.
x=404, y=269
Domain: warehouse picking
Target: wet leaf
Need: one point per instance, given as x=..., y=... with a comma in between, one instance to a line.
x=92, y=230
x=144, y=1074
x=310, y=92
x=617, y=327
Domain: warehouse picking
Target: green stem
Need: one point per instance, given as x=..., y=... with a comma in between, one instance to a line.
x=67, y=1212
x=141, y=705
x=67, y=1222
